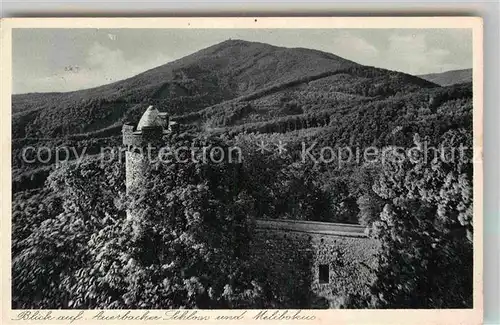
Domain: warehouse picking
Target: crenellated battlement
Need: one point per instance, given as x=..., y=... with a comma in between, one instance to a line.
x=130, y=136
x=147, y=135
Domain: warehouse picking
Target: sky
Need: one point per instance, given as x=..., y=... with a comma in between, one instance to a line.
x=47, y=60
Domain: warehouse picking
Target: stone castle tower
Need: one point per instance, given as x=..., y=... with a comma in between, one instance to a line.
x=150, y=131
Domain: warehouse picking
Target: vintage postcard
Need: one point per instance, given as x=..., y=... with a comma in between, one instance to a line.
x=296, y=170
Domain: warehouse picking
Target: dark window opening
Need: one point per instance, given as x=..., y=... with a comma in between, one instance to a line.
x=324, y=273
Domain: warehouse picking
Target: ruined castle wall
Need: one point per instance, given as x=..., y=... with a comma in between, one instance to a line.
x=292, y=260
x=350, y=260
x=283, y=263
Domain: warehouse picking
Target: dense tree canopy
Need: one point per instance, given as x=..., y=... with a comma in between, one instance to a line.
x=87, y=254
x=425, y=228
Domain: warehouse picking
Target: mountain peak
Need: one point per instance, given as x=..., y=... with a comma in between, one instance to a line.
x=232, y=45
x=242, y=42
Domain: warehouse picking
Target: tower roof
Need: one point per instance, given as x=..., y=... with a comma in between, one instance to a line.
x=150, y=118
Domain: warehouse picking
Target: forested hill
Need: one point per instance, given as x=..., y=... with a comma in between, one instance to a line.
x=279, y=80
x=449, y=77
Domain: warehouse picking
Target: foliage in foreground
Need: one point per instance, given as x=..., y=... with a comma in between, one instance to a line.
x=425, y=228
x=181, y=248
x=185, y=244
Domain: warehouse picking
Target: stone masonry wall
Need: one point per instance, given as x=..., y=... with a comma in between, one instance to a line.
x=292, y=260
x=349, y=260
x=134, y=172
x=283, y=263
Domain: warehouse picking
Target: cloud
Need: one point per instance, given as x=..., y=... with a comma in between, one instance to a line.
x=103, y=65
x=353, y=44
x=102, y=56
x=353, y=47
x=412, y=53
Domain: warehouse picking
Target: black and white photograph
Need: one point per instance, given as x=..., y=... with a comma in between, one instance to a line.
x=274, y=169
